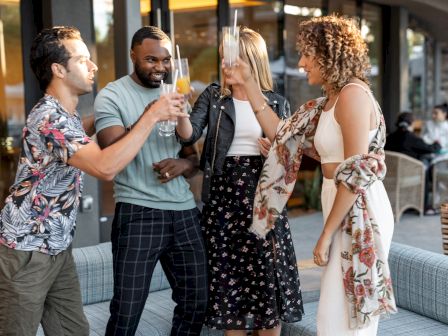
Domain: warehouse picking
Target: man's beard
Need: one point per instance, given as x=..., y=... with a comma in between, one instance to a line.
x=145, y=78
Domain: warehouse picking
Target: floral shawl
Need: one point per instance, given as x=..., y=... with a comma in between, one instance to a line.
x=366, y=275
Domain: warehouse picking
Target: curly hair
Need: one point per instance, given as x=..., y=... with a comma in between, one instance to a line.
x=338, y=48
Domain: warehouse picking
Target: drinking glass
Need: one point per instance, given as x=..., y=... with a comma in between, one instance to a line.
x=230, y=44
x=183, y=78
x=167, y=127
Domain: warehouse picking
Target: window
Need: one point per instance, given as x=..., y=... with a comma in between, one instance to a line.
x=416, y=52
x=104, y=37
x=372, y=32
x=12, y=105
x=298, y=91
x=195, y=31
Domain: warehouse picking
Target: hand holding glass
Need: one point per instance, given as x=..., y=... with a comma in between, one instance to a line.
x=166, y=127
x=230, y=45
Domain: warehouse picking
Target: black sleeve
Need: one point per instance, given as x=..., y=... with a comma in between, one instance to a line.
x=421, y=147
x=199, y=116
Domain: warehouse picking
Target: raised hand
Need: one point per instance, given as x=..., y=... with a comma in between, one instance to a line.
x=238, y=73
x=168, y=107
x=264, y=144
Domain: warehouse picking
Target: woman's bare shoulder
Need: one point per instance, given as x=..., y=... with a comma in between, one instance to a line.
x=354, y=102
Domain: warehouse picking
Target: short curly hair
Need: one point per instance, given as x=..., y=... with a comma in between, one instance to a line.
x=338, y=47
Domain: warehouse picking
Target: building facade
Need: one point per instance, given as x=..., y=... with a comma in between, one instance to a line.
x=406, y=38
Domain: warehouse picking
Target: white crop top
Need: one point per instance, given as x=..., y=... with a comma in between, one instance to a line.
x=328, y=137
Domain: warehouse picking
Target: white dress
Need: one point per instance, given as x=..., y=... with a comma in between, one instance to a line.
x=332, y=313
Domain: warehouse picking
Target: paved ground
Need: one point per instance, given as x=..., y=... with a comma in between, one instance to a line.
x=423, y=232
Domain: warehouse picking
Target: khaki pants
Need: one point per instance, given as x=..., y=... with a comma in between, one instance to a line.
x=38, y=288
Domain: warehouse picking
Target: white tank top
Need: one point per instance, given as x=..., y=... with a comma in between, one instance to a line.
x=247, y=130
x=328, y=137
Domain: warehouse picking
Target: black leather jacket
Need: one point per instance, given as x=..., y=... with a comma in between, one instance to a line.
x=218, y=114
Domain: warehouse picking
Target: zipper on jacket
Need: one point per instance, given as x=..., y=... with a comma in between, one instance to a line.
x=216, y=140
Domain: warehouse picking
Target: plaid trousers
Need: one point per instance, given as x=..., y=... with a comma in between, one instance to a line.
x=140, y=237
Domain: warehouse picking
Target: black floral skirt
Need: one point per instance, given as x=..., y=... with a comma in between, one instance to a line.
x=253, y=283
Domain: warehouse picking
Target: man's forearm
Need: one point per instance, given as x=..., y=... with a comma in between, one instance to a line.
x=193, y=166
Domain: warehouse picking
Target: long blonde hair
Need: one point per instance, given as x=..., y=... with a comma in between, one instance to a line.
x=253, y=51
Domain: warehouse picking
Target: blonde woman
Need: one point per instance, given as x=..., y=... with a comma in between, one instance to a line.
x=345, y=130
x=253, y=284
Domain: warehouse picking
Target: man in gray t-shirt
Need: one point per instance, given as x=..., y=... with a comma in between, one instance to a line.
x=155, y=216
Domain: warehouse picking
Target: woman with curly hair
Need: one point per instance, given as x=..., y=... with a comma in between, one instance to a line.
x=345, y=130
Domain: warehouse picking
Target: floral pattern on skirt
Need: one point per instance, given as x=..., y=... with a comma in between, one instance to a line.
x=253, y=283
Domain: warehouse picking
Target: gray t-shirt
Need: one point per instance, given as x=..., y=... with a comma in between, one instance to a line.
x=121, y=103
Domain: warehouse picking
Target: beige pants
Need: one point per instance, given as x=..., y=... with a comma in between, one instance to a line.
x=38, y=288
x=332, y=313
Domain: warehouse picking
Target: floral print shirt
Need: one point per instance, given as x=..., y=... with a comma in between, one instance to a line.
x=40, y=211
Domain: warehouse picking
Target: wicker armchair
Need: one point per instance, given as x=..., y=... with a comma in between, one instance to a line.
x=440, y=183
x=404, y=183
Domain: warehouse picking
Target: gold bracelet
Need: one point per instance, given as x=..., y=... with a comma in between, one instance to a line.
x=261, y=109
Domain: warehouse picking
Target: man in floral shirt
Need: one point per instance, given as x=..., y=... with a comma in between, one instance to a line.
x=38, y=279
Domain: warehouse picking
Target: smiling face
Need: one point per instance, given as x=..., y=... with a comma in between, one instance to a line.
x=152, y=62
x=80, y=70
x=311, y=67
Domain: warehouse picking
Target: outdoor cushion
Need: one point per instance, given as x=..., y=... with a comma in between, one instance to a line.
x=404, y=323
x=94, y=266
x=420, y=280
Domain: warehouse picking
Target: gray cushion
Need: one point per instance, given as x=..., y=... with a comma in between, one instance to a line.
x=404, y=323
x=94, y=266
x=155, y=320
x=420, y=281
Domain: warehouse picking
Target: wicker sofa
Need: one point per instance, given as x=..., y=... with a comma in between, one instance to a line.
x=419, y=281
x=421, y=291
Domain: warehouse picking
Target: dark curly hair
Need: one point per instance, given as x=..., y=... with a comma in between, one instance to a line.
x=338, y=48
x=47, y=48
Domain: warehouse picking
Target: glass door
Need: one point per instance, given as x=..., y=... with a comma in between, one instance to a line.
x=193, y=25
x=12, y=102
x=298, y=90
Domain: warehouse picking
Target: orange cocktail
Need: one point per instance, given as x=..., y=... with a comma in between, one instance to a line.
x=183, y=85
